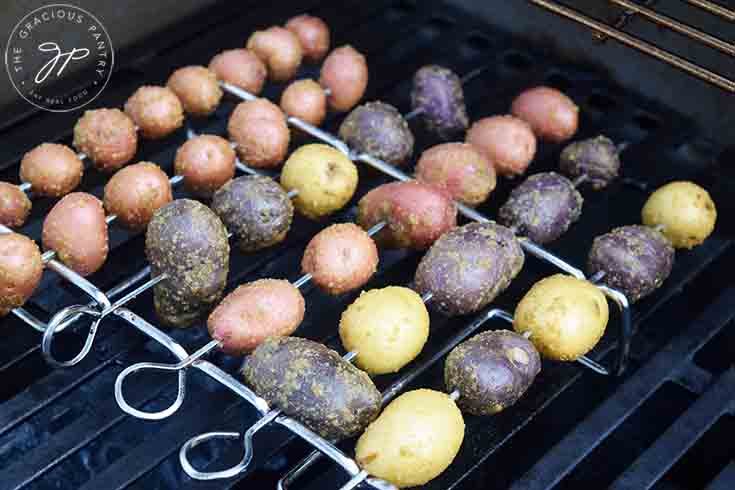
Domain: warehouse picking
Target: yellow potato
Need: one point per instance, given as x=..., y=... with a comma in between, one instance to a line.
x=415, y=438
x=324, y=177
x=684, y=211
x=565, y=316
x=387, y=327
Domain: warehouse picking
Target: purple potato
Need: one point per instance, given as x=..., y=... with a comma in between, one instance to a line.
x=467, y=267
x=492, y=370
x=378, y=129
x=636, y=259
x=542, y=207
x=437, y=93
x=598, y=159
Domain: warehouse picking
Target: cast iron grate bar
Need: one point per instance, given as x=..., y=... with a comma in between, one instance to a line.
x=724, y=480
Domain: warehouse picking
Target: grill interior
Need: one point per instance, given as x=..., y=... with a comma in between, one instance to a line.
x=662, y=425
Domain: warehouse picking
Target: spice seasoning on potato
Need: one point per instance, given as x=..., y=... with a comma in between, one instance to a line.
x=107, y=136
x=259, y=129
x=313, y=34
x=156, y=110
x=306, y=100
x=134, y=193
x=378, y=129
x=197, y=89
x=279, y=49
x=345, y=73
x=206, y=162
x=21, y=268
x=596, y=159
x=14, y=205
x=241, y=68
x=552, y=115
x=437, y=93
x=53, y=170
x=508, y=143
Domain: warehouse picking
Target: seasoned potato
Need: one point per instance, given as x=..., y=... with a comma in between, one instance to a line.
x=306, y=100
x=508, y=143
x=552, y=115
x=52, y=170
x=256, y=311
x=313, y=384
x=14, y=205
x=313, y=34
x=387, y=328
x=543, y=207
x=636, y=260
x=684, y=211
x=491, y=371
x=107, y=136
x=259, y=129
x=324, y=178
x=378, y=129
x=279, y=49
x=597, y=159
x=186, y=241
x=437, y=93
x=414, y=440
x=21, y=269
x=197, y=89
x=156, y=110
x=345, y=74
x=564, y=316
x=206, y=162
x=241, y=68
x=416, y=214
x=459, y=168
x=134, y=193
x=468, y=267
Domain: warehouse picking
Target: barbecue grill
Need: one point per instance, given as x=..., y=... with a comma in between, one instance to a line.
x=663, y=423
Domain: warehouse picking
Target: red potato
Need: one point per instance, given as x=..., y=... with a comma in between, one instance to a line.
x=207, y=162
x=14, y=205
x=197, y=89
x=313, y=34
x=416, y=213
x=107, y=136
x=508, y=143
x=53, y=170
x=279, y=49
x=76, y=229
x=21, y=269
x=345, y=74
x=136, y=192
x=156, y=110
x=552, y=115
x=241, y=68
x=306, y=100
x=254, y=312
x=259, y=129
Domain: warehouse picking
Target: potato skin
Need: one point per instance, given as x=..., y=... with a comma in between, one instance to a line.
x=636, y=260
x=314, y=384
x=387, y=327
x=14, y=205
x=255, y=209
x=206, y=162
x=460, y=169
x=340, y=258
x=306, y=100
x=197, y=89
x=564, y=316
x=345, y=74
x=256, y=311
x=379, y=129
x=543, y=207
x=21, y=269
x=492, y=371
x=53, y=170
x=414, y=440
x=552, y=115
x=134, y=193
x=324, y=177
x=508, y=143
x=188, y=242
x=107, y=136
x=241, y=68
x=437, y=93
x=468, y=267
x=279, y=49
x=596, y=158
x=156, y=110
x=313, y=34
x=416, y=214
x=684, y=210
x=259, y=129
x=76, y=229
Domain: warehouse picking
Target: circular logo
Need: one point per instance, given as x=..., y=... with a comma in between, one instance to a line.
x=59, y=57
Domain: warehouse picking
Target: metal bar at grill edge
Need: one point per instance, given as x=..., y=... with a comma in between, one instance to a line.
x=714, y=8
x=638, y=44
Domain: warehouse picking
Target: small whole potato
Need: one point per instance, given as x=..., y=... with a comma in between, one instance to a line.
x=552, y=115
x=314, y=384
x=460, y=169
x=636, y=260
x=414, y=440
x=197, y=89
x=254, y=312
x=684, y=211
x=306, y=100
x=340, y=258
x=255, y=209
x=387, y=328
x=345, y=74
x=134, y=193
x=508, y=143
x=564, y=316
x=378, y=129
x=156, y=110
x=241, y=68
x=14, y=205
x=597, y=160
x=107, y=136
x=52, y=170
x=437, y=93
x=313, y=34
x=324, y=178
x=491, y=371
x=206, y=162
x=21, y=269
x=468, y=267
x=76, y=230
x=543, y=207
x=279, y=49
x=416, y=214
x=259, y=129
